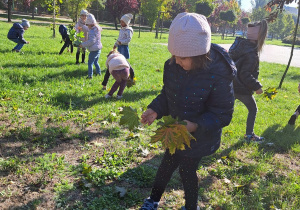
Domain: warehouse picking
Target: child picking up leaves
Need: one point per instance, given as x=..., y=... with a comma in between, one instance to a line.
x=118, y=67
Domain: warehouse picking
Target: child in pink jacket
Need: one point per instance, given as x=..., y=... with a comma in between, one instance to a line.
x=119, y=68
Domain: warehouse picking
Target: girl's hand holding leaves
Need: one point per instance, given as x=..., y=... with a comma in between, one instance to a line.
x=172, y=133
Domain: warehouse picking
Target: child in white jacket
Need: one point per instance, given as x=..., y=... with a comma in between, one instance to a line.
x=93, y=44
x=80, y=27
x=119, y=68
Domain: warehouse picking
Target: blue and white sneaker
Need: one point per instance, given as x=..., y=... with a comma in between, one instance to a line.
x=254, y=138
x=149, y=204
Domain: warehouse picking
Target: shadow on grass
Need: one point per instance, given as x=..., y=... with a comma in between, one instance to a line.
x=283, y=139
x=67, y=101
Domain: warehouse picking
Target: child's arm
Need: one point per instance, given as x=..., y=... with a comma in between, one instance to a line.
x=299, y=88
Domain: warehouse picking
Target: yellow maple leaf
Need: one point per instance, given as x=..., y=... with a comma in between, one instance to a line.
x=174, y=136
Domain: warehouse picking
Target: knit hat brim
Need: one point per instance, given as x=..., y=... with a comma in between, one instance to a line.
x=126, y=18
x=189, y=35
x=90, y=19
x=25, y=23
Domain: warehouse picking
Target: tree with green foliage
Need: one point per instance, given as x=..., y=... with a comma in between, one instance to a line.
x=150, y=9
x=75, y=6
x=256, y=4
x=278, y=9
x=120, y=7
x=259, y=14
x=175, y=7
x=228, y=17
x=204, y=7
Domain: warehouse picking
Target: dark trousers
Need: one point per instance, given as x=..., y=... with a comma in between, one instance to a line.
x=66, y=44
x=250, y=103
x=107, y=75
x=187, y=170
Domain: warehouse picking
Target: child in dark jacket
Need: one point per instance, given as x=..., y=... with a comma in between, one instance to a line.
x=121, y=44
x=297, y=112
x=244, y=52
x=198, y=89
x=65, y=37
x=16, y=32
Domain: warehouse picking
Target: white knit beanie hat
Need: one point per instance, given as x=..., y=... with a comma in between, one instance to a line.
x=90, y=19
x=189, y=35
x=126, y=18
x=84, y=12
x=25, y=23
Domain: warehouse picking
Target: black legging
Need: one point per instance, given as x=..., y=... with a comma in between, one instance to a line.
x=107, y=75
x=187, y=170
x=66, y=44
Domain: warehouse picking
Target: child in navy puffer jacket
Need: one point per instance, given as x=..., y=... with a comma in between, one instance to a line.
x=65, y=37
x=197, y=89
x=16, y=32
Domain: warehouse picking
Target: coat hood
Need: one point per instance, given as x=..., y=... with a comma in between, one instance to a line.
x=18, y=26
x=217, y=56
x=240, y=47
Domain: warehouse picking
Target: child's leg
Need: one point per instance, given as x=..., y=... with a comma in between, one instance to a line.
x=117, y=74
x=83, y=55
x=131, y=73
x=98, y=70
x=77, y=55
x=164, y=173
x=92, y=57
x=19, y=46
x=71, y=46
x=63, y=47
x=124, y=75
x=187, y=170
x=106, y=77
x=124, y=50
x=293, y=118
x=250, y=103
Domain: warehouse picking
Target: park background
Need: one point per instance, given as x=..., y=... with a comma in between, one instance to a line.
x=61, y=145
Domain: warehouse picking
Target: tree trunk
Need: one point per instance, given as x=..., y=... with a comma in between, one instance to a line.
x=9, y=7
x=157, y=25
x=116, y=24
x=292, y=50
x=54, y=18
x=32, y=11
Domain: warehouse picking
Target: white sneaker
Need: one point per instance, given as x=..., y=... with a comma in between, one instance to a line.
x=119, y=97
x=107, y=96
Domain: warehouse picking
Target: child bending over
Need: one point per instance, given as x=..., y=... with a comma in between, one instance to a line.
x=119, y=68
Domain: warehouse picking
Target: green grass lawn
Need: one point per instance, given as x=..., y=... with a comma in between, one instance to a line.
x=62, y=146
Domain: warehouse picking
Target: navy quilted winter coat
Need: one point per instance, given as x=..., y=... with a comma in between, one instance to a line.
x=16, y=32
x=245, y=56
x=203, y=96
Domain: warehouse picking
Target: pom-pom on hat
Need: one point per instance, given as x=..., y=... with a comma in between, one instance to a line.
x=90, y=19
x=84, y=12
x=25, y=23
x=189, y=35
x=126, y=18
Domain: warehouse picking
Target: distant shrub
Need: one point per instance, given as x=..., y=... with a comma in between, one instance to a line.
x=289, y=40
